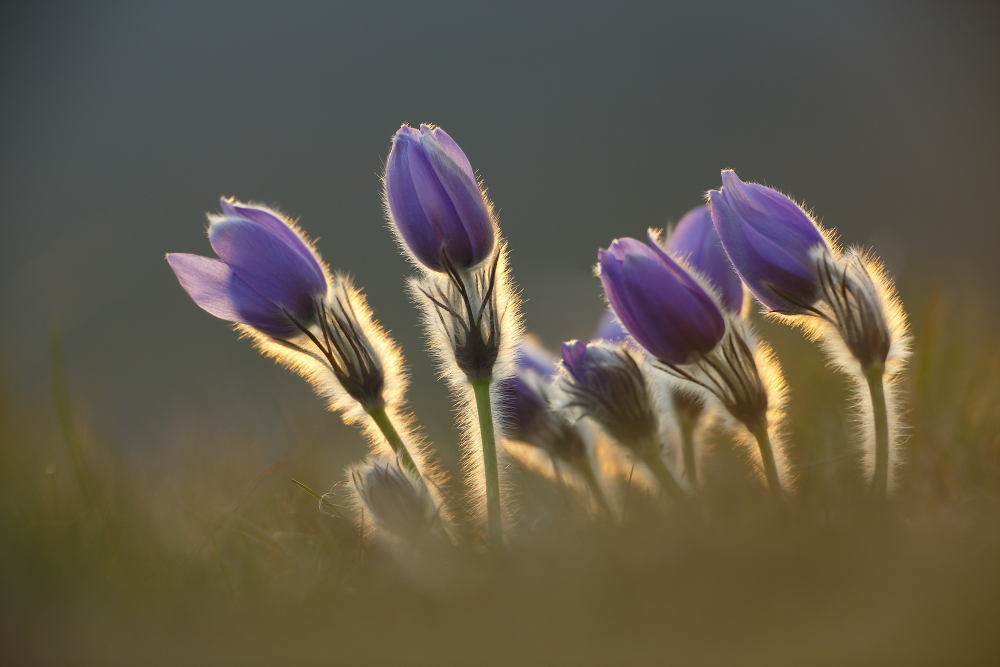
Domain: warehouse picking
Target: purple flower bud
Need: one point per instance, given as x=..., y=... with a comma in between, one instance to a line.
x=606, y=384
x=267, y=273
x=524, y=394
x=695, y=239
x=434, y=200
x=771, y=242
x=610, y=329
x=662, y=307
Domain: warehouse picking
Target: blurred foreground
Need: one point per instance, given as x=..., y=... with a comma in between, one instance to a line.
x=219, y=559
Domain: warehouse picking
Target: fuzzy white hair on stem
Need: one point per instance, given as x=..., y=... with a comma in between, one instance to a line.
x=456, y=308
x=860, y=324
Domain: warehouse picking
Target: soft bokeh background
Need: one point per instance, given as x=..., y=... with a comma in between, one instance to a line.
x=122, y=123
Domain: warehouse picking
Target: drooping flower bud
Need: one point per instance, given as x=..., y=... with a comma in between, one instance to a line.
x=393, y=499
x=773, y=244
x=435, y=202
x=662, y=307
x=267, y=276
x=605, y=382
x=695, y=240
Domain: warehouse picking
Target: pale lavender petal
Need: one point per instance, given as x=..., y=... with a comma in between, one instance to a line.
x=214, y=287
x=452, y=149
x=574, y=357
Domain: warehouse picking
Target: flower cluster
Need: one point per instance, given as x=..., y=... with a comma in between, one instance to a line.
x=673, y=352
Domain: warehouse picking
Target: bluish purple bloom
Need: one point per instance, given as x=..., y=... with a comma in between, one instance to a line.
x=695, y=239
x=524, y=394
x=435, y=201
x=664, y=309
x=266, y=273
x=610, y=329
x=574, y=358
x=770, y=241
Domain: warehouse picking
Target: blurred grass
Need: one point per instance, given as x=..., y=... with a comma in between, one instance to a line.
x=217, y=558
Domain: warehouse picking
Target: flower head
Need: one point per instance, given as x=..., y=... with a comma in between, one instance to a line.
x=662, y=307
x=434, y=200
x=695, y=240
x=771, y=241
x=267, y=276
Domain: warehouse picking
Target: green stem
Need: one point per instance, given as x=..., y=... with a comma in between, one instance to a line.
x=687, y=424
x=481, y=389
x=650, y=455
x=587, y=469
x=880, y=480
x=767, y=458
x=381, y=419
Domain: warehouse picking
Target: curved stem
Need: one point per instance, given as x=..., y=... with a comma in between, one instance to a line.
x=687, y=410
x=381, y=419
x=586, y=468
x=767, y=458
x=876, y=387
x=481, y=389
x=650, y=455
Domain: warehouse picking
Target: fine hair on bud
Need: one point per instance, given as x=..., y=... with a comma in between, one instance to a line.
x=473, y=325
x=860, y=323
x=392, y=499
x=605, y=382
x=743, y=376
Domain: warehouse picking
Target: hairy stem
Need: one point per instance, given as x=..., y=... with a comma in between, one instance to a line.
x=650, y=455
x=587, y=470
x=381, y=419
x=767, y=458
x=481, y=389
x=686, y=423
x=876, y=387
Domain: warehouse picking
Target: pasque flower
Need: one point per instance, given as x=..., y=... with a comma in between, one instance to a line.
x=845, y=297
x=434, y=200
x=266, y=277
x=443, y=219
x=695, y=240
x=772, y=243
x=664, y=308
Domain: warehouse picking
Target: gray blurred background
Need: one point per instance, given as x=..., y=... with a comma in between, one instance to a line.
x=122, y=124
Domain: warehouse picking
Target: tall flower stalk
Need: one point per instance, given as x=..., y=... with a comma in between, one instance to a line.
x=444, y=221
x=842, y=298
